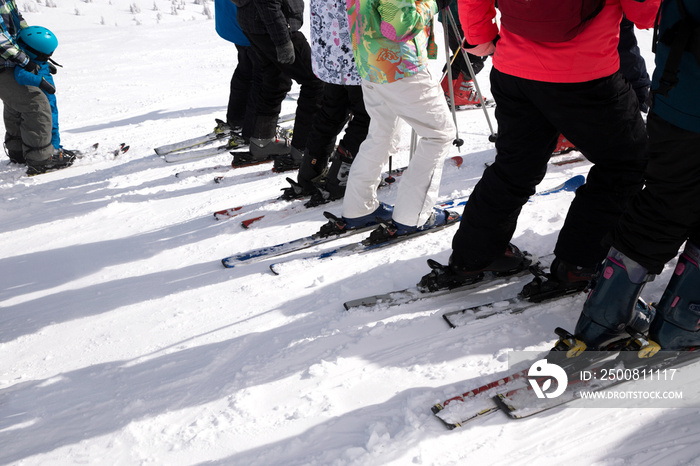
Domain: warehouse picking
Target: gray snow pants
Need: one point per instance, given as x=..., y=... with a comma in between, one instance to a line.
x=27, y=117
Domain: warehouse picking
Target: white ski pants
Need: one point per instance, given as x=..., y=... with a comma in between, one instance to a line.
x=419, y=101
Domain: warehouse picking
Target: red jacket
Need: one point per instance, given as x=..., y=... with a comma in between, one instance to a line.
x=590, y=55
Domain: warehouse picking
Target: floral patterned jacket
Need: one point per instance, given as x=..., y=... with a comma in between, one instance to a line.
x=331, y=49
x=391, y=39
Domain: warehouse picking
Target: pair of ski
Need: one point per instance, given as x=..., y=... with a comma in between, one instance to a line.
x=526, y=391
x=306, y=242
x=203, y=146
x=91, y=152
x=93, y=149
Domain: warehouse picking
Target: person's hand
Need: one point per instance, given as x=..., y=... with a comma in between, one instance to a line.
x=47, y=87
x=32, y=67
x=481, y=50
x=442, y=4
x=52, y=68
x=285, y=53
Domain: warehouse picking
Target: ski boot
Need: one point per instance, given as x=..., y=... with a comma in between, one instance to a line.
x=332, y=185
x=450, y=276
x=464, y=91
x=294, y=191
x=677, y=322
x=61, y=158
x=337, y=226
x=610, y=307
x=391, y=229
x=267, y=141
x=562, y=279
x=292, y=161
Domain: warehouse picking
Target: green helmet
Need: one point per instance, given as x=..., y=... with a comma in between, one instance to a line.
x=38, y=42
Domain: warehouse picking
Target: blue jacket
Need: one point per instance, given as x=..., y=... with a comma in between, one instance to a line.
x=226, y=22
x=26, y=78
x=682, y=105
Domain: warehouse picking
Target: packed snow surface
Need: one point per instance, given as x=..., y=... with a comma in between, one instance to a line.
x=123, y=340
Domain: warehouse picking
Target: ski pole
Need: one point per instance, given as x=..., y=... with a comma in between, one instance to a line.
x=453, y=23
x=457, y=141
x=390, y=179
x=448, y=69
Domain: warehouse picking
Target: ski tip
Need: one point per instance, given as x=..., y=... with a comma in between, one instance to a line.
x=227, y=263
x=574, y=183
x=458, y=161
x=247, y=223
x=273, y=269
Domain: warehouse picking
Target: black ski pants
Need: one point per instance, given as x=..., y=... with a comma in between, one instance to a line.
x=276, y=83
x=341, y=105
x=667, y=212
x=601, y=118
x=245, y=91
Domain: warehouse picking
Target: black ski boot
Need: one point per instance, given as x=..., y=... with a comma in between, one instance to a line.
x=294, y=191
x=333, y=183
x=292, y=161
x=677, y=322
x=562, y=279
x=61, y=158
x=453, y=276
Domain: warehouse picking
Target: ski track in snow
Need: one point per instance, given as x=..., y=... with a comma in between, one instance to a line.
x=124, y=341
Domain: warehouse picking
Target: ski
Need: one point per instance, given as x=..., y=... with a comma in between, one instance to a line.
x=195, y=154
x=414, y=294
x=221, y=131
x=299, y=244
x=123, y=148
x=287, y=247
x=514, y=305
x=364, y=246
x=79, y=154
x=523, y=402
x=93, y=149
x=520, y=394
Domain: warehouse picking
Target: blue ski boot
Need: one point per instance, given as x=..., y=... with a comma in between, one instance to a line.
x=677, y=322
x=611, y=304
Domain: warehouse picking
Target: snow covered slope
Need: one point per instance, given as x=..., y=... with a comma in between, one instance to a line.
x=124, y=341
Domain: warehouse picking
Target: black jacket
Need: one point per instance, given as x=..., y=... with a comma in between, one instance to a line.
x=276, y=18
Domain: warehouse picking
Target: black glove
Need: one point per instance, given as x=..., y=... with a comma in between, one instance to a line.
x=442, y=4
x=32, y=67
x=52, y=68
x=285, y=53
x=47, y=87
